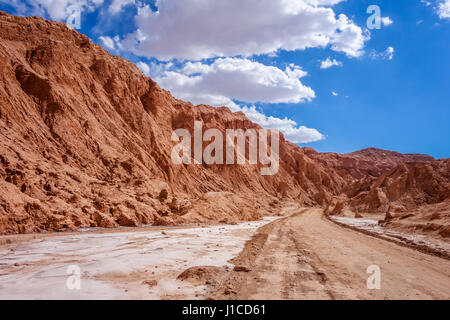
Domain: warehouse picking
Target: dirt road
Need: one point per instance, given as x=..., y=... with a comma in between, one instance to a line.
x=306, y=256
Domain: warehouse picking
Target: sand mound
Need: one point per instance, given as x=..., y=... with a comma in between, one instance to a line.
x=211, y=276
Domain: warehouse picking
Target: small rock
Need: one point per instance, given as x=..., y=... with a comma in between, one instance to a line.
x=163, y=195
x=150, y=283
x=389, y=216
x=241, y=269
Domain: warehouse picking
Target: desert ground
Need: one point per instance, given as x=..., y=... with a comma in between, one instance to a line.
x=303, y=256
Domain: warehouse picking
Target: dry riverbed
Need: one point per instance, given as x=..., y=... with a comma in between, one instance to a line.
x=132, y=264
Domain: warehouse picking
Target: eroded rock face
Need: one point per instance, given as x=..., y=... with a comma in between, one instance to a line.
x=414, y=198
x=85, y=141
x=405, y=187
x=369, y=162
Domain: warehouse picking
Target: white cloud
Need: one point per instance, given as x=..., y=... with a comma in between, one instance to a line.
x=111, y=43
x=59, y=9
x=444, y=9
x=235, y=79
x=216, y=28
x=386, y=21
x=387, y=54
x=349, y=38
x=328, y=63
x=334, y=93
x=117, y=5
x=145, y=68
x=290, y=129
x=108, y=42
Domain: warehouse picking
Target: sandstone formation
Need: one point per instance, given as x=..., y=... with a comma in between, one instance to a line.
x=403, y=188
x=368, y=162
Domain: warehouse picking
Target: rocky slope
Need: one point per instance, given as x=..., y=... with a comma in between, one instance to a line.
x=85, y=141
x=430, y=219
x=368, y=162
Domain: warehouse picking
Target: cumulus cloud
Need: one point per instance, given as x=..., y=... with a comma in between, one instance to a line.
x=216, y=28
x=328, y=63
x=236, y=79
x=444, y=9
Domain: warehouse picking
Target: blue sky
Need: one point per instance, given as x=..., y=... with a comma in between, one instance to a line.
x=389, y=89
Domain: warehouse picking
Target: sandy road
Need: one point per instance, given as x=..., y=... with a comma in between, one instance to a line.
x=306, y=256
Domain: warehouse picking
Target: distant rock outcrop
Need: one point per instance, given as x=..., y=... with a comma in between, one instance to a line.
x=368, y=162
